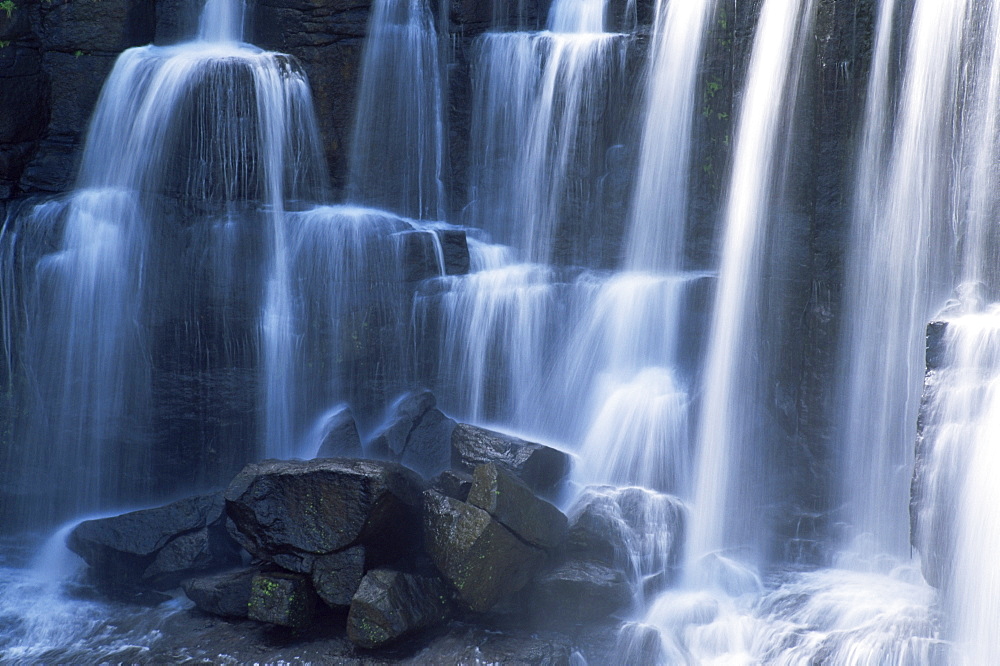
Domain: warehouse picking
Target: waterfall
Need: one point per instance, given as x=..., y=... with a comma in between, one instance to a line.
x=196, y=302
x=731, y=474
x=222, y=21
x=901, y=253
x=957, y=530
x=658, y=215
x=182, y=136
x=541, y=103
x=398, y=150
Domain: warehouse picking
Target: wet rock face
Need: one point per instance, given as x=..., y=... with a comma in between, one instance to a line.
x=391, y=604
x=284, y=599
x=23, y=86
x=513, y=505
x=291, y=512
x=157, y=547
x=226, y=594
x=540, y=467
x=416, y=434
x=932, y=516
x=483, y=561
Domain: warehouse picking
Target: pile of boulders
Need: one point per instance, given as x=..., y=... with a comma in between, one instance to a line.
x=396, y=551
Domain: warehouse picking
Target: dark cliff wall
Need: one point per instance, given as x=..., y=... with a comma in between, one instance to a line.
x=52, y=70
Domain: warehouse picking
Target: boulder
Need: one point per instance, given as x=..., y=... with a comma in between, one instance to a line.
x=391, y=604
x=455, y=248
x=159, y=545
x=541, y=468
x=291, y=512
x=507, y=500
x=336, y=576
x=201, y=550
x=418, y=254
x=285, y=599
x=416, y=434
x=627, y=529
x=480, y=558
x=453, y=484
x=226, y=594
x=340, y=436
x=577, y=592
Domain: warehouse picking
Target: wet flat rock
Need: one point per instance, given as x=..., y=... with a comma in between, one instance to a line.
x=577, y=592
x=226, y=594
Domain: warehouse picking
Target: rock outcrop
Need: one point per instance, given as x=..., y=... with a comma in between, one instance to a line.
x=158, y=547
x=391, y=604
x=293, y=512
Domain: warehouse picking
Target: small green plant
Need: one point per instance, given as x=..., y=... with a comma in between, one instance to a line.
x=8, y=6
x=4, y=44
x=77, y=53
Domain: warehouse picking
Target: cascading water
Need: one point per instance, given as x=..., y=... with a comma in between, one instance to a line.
x=540, y=106
x=898, y=275
x=958, y=531
x=233, y=124
x=203, y=160
x=731, y=475
x=398, y=152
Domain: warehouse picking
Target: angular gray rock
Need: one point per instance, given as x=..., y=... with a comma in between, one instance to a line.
x=611, y=525
x=336, y=576
x=285, y=599
x=226, y=594
x=391, y=604
x=202, y=550
x=291, y=512
x=577, y=592
x=340, y=436
x=509, y=501
x=453, y=484
x=416, y=434
x=161, y=545
x=482, y=560
x=541, y=468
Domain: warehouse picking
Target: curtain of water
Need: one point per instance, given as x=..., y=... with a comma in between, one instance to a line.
x=658, y=214
x=731, y=468
x=958, y=531
x=540, y=101
x=398, y=150
x=177, y=132
x=222, y=21
x=897, y=274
